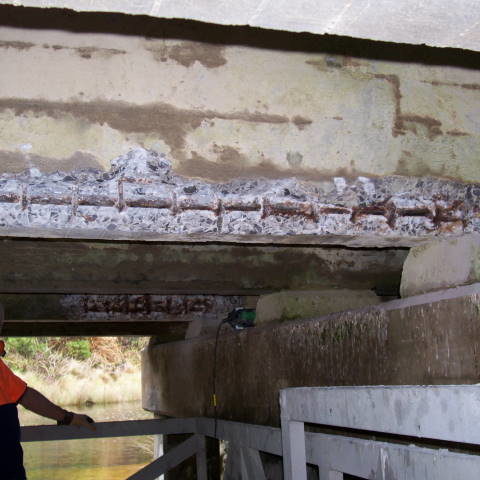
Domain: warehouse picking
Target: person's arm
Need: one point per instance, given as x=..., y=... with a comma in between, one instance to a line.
x=37, y=403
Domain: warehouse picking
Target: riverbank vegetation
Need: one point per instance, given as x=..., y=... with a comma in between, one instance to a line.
x=78, y=371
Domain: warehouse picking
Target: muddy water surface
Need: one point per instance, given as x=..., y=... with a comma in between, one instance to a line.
x=98, y=459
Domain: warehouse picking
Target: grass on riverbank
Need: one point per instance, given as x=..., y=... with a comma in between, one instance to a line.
x=75, y=372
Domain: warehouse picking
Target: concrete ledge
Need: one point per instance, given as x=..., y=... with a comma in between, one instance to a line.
x=441, y=264
x=291, y=305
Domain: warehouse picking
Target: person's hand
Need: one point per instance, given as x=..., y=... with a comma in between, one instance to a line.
x=82, y=421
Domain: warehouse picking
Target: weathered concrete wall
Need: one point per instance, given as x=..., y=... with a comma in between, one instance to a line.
x=224, y=104
x=32, y=266
x=415, y=341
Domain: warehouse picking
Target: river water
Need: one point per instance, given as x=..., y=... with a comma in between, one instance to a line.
x=96, y=459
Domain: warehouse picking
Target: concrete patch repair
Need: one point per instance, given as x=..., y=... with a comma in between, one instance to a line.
x=142, y=198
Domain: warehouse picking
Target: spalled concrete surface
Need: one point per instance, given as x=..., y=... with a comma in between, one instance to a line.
x=141, y=198
x=168, y=317
x=291, y=305
x=420, y=343
x=441, y=264
x=410, y=21
x=227, y=103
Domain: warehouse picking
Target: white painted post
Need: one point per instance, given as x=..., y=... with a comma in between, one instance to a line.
x=201, y=458
x=294, y=456
x=252, y=467
x=333, y=475
x=293, y=444
x=158, y=451
x=233, y=469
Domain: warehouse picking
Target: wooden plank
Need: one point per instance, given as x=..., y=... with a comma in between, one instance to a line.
x=364, y=458
x=126, y=428
x=441, y=412
x=201, y=458
x=252, y=464
x=169, y=460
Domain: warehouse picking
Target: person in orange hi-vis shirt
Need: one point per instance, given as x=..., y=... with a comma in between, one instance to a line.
x=14, y=391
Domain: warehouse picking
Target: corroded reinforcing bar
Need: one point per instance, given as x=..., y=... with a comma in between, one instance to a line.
x=140, y=198
x=165, y=316
x=117, y=308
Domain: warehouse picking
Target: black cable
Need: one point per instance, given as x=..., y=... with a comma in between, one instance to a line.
x=235, y=320
x=214, y=394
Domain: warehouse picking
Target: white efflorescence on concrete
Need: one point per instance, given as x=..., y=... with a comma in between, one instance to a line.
x=141, y=198
x=436, y=22
x=441, y=264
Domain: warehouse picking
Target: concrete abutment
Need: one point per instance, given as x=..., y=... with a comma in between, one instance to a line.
x=418, y=341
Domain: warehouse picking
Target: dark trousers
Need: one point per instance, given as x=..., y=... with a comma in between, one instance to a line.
x=11, y=453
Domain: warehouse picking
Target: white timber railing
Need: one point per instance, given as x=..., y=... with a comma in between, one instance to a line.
x=387, y=433
x=426, y=432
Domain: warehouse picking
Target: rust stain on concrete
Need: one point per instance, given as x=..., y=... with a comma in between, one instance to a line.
x=334, y=62
x=394, y=81
x=17, y=162
x=229, y=154
x=301, y=122
x=89, y=51
x=409, y=122
x=466, y=86
x=457, y=133
x=17, y=45
x=187, y=53
x=402, y=122
x=172, y=124
x=237, y=166
x=318, y=64
x=407, y=167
